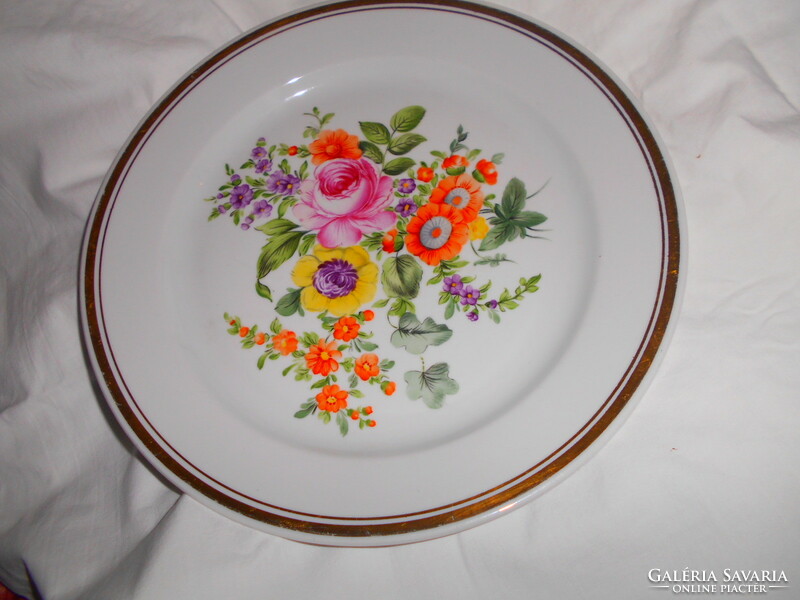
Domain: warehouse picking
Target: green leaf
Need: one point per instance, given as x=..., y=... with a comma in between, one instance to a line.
x=289, y=303
x=455, y=171
x=277, y=226
x=450, y=310
x=277, y=251
x=415, y=337
x=492, y=261
x=431, y=385
x=261, y=360
x=307, y=243
x=398, y=165
x=375, y=132
x=405, y=143
x=497, y=236
x=371, y=151
x=341, y=421
x=305, y=409
x=528, y=218
x=407, y=118
x=513, y=198
x=263, y=291
x=401, y=276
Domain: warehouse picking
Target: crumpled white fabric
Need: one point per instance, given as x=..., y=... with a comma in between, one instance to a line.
x=702, y=476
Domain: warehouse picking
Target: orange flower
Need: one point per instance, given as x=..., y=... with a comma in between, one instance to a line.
x=488, y=170
x=285, y=342
x=436, y=233
x=455, y=161
x=425, y=174
x=461, y=192
x=260, y=338
x=367, y=366
x=388, y=240
x=369, y=315
x=390, y=388
x=334, y=144
x=321, y=358
x=332, y=399
x=346, y=329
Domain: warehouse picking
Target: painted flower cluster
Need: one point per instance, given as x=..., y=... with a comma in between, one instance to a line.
x=363, y=226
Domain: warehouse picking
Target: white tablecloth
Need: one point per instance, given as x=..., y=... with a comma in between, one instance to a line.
x=704, y=475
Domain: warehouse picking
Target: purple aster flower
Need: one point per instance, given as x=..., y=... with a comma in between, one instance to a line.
x=263, y=165
x=235, y=177
x=241, y=196
x=492, y=304
x=406, y=207
x=406, y=186
x=453, y=284
x=469, y=295
x=282, y=183
x=335, y=278
x=262, y=208
x=246, y=223
x=258, y=153
x=473, y=316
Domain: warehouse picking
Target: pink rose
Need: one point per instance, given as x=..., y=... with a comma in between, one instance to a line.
x=346, y=199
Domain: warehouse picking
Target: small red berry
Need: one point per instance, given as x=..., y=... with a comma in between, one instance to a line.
x=368, y=410
x=244, y=331
x=260, y=338
x=355, y=415
x=292, y=150
x=390, y=388
x=371, y=423
x=369, y=315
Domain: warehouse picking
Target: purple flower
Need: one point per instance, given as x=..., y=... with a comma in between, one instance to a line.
x=246, y=223
x=473, y=316
x=453, y=284
x=262, y=208
x=241, y=196
x=220, y=196
x=491, y=304
x=263, y=165
x=469, y=296
x=406, y=186
x=221, y=209
x=258, y=153
x=335, y=278
x=235, y=177
x=282, y=183
x=406, y=207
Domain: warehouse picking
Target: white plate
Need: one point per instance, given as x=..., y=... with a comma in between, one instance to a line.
x=484, y=414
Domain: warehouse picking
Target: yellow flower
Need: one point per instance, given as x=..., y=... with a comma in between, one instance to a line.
x=338, y=280
x=478, y=229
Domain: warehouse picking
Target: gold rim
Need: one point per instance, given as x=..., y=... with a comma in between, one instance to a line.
x=487, y=500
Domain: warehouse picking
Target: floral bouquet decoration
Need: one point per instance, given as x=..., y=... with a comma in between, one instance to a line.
x=356, y=216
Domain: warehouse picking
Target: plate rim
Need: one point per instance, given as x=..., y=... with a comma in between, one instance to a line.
x=523, y=486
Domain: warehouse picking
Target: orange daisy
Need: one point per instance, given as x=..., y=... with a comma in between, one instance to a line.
x=321, y=358
x=462, y=192
x=332, y=399
x=334, y=144
x=367, y=366
x=436, y=233
x=346, y=329
x=285, y=342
